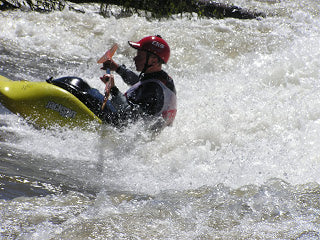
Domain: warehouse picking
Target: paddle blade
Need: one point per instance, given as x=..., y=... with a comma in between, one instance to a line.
x=109, y=54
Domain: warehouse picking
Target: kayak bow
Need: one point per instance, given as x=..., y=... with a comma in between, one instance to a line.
x=44, y=104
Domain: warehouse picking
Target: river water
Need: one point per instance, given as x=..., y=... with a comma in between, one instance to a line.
x=242, y=160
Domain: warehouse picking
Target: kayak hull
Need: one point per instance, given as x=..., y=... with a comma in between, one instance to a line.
x=44, y=104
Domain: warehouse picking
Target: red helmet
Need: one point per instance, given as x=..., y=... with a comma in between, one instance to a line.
x=155, y=45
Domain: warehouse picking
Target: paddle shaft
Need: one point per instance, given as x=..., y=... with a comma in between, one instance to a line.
x=107, y=91
x=107, y=56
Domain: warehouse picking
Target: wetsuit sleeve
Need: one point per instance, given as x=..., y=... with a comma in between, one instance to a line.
x=118, y=100
x=125, y=112
x=128, y=76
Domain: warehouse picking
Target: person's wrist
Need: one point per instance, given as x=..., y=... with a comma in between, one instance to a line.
x=117, y=67
x=120, y=68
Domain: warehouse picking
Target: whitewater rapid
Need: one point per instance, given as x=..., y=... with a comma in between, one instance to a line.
x=241, y=154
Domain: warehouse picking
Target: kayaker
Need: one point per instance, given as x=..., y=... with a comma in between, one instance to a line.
x=152, y=95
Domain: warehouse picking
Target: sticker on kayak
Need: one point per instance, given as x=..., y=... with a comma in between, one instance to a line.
x=62, y=110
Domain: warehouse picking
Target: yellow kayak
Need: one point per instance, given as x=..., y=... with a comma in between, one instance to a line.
x=61, y=102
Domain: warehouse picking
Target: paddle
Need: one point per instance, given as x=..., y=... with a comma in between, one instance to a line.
x=107, y=56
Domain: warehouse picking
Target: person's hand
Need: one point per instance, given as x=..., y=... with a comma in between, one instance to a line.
x=108, y=79
x=110, y=64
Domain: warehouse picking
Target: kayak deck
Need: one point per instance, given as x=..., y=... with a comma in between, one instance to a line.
x=44, y=104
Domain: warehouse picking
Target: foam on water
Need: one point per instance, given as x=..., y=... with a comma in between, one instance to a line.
x=244, y=88
x=248, y=120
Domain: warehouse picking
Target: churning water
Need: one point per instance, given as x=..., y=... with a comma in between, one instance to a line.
x=242, y=160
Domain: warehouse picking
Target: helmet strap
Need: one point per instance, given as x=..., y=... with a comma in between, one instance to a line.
x=146, y=65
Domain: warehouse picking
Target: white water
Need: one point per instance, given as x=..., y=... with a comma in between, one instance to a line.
x=248, y=114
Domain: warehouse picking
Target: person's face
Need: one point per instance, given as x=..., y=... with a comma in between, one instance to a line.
x=140, y=60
